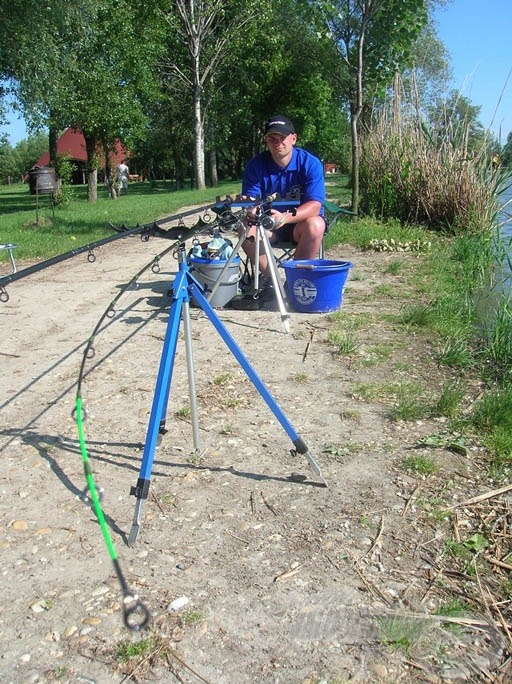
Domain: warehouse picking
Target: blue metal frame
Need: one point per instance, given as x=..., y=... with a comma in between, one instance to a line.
x=186, y=286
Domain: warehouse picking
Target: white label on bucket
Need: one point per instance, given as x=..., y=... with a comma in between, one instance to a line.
x=304, y=291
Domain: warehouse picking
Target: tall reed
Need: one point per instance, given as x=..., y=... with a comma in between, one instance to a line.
x=421, y=176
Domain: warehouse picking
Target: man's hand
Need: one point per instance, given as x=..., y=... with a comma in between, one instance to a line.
x=250, y=212
x=281, y=218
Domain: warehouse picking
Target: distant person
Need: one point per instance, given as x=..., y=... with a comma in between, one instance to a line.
x=122, y=176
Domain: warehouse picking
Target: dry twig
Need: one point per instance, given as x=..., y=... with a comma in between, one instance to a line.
x=375, y=543
x=287, y=573
x=409, y=500
x=268, y=505
x=308, y=345
x=244, y=541
x=482, y=497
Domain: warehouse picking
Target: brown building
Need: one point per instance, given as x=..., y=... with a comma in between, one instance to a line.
x=72, y=144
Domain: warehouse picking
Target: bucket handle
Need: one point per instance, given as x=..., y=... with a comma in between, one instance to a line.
x=312, y=267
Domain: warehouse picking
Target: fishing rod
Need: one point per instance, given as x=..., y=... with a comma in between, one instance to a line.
x=136, y=616
x=147, y=230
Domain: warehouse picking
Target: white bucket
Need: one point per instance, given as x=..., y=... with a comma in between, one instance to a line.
x=207, y=272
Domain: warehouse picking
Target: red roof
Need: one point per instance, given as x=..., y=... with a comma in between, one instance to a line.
x=72, y=143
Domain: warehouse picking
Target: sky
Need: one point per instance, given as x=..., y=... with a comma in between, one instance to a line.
x=478, y=38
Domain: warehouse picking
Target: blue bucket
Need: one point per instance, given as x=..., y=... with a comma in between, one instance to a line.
x=316, y=286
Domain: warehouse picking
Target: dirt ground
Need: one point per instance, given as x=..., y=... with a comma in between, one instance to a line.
x=280, y=581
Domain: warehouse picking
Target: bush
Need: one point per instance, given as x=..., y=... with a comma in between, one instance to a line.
x=65, y=169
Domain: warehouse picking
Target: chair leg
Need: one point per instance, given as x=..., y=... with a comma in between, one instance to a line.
x=9, y=248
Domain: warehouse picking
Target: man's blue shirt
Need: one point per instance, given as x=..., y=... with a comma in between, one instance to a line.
x=304, y=174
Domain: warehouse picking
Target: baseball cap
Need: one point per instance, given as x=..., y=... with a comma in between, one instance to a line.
x=279, y=124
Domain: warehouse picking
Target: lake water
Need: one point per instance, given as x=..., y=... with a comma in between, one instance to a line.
x=506, y=215
x=505, y=221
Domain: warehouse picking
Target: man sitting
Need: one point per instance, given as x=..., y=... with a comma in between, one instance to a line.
x=286, y=169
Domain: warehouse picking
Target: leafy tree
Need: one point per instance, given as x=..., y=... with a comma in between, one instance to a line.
x=28, y=151
x=265, y=73
x=94, y=70
x=111, y=79
x=375, y=39
x=31, y=54
x=15, y=162
x=164, y=151
x=8, y=169
x=205, y=28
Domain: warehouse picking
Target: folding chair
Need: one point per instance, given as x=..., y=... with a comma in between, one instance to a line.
x=9, y=247
x=333, y=212
x=285, y=251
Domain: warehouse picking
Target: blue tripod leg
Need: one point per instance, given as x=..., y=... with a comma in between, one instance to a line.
x=159, y=406
x=298, y=442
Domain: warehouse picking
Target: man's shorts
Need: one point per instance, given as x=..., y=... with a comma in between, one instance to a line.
x=285, y=234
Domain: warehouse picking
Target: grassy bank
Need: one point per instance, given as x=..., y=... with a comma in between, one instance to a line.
x=459, y=305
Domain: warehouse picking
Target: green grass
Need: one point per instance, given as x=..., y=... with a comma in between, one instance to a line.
x=492, y=417
x=416, y=316
x=43, y=232
x=411, y=403
x=402, y=633
x=497, y=337
x=343, y=341
x=395, y=267
x=126, y=650
x=422, y=465
x=300, y=378
x=450, y=400
x=222, y=379
x=362, y=231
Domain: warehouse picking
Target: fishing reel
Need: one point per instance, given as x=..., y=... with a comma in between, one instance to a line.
x=263, y=219
x=267, y=222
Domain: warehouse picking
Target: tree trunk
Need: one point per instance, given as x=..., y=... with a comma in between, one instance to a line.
x=212, y=156
x=355, y=162
x=109, y=176
x=92, y=171
x=52, y=145
x=213, y=168
x=198, y=141
x=179, y=173
x=355, y=112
